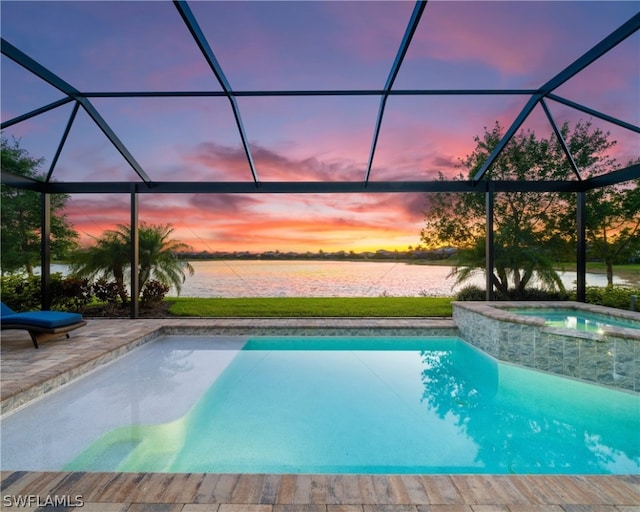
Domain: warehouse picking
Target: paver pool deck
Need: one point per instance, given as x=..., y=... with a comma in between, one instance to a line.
x=27, y=373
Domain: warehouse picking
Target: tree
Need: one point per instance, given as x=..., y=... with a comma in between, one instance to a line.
x=21, y=215
x=110, y=256
x=532, y=230
x=613, y=225
x=157, y=257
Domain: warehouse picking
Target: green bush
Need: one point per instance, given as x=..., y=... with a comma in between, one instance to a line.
x=153, y=293
x=21, y=292
x=108, y=292
x=534, y=294
x=616, y=296
x=70, y=293
x=471, y=292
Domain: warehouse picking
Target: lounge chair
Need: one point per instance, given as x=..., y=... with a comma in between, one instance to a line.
x=42, y=325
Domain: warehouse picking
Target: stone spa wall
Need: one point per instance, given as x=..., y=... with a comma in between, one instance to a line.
x=610, y=357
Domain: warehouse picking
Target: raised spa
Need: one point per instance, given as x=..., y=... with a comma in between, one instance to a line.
x=582, y=341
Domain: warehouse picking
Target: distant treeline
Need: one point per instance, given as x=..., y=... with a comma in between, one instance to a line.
x=410, y=254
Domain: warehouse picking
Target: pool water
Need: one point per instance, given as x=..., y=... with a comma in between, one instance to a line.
x=582, y=321
x=326, y=405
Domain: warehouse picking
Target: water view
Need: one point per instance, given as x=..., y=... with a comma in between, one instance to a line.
x=296, y=278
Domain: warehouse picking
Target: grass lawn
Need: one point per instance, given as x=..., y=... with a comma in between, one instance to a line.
x=312, y=307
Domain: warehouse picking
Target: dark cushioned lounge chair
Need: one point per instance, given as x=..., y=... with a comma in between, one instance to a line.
x=42, y=325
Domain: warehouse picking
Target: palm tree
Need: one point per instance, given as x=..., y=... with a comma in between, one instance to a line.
x=512, y=263
x=110, y=256
x=157, y=257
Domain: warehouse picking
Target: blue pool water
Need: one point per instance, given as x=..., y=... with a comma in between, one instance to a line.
x=327, y=405
x=580, y=320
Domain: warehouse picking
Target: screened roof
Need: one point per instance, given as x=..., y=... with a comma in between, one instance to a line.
x=328, y=96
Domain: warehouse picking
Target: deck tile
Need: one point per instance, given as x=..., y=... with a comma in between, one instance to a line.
x=200, y=507
x=144, y=487
x=190, y=486
x=18, y=482
x=318, y=490
x=399, y=492
x=566, y=489
x=206, y=489
x=155, y=507
x=287, y=489
x=104, y=507
x=299, y=508
x=270, y=489
x=415, y=490
x=589, y=508
x=302, y=493
x=335, y=490
x=441, y=490
x=93, y=484
x=390, y=508
x=444, y=508
x=224, y=488
x=383, y=490
x=344, y=508
x=490, y=508
x=243, y=507
x=248, y=489
x=351, y=489
x=619, y=490
x=537, y=486
x=45, y=485
x=367, y=489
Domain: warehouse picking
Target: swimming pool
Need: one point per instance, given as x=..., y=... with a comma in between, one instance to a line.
x=574, y=319
x=324, y=405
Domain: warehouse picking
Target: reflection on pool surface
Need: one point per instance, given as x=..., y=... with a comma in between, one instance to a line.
x=579, y=320
x=326, y=405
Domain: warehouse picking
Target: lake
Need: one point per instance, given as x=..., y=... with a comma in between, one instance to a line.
x=298, y=278
x=301, y=278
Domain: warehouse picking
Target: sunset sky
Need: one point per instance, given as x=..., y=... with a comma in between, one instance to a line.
x=145, y=46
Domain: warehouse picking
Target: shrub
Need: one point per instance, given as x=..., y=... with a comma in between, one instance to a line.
x=21, y=292
x=107, y=291
x=153, y=293
x=534, y=294
x=70, y=293
x=471, y=292
x=616, y=296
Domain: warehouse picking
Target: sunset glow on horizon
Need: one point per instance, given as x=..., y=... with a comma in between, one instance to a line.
x=126, y=46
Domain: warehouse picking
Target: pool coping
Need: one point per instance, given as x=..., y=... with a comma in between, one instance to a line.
x=62, y=360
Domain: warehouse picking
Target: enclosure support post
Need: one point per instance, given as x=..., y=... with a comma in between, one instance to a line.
x=45, y=252
x=489, y=249
x=581, y=250
x=134, y=254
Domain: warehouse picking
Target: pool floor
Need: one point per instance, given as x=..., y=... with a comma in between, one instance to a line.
x=425, y=406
